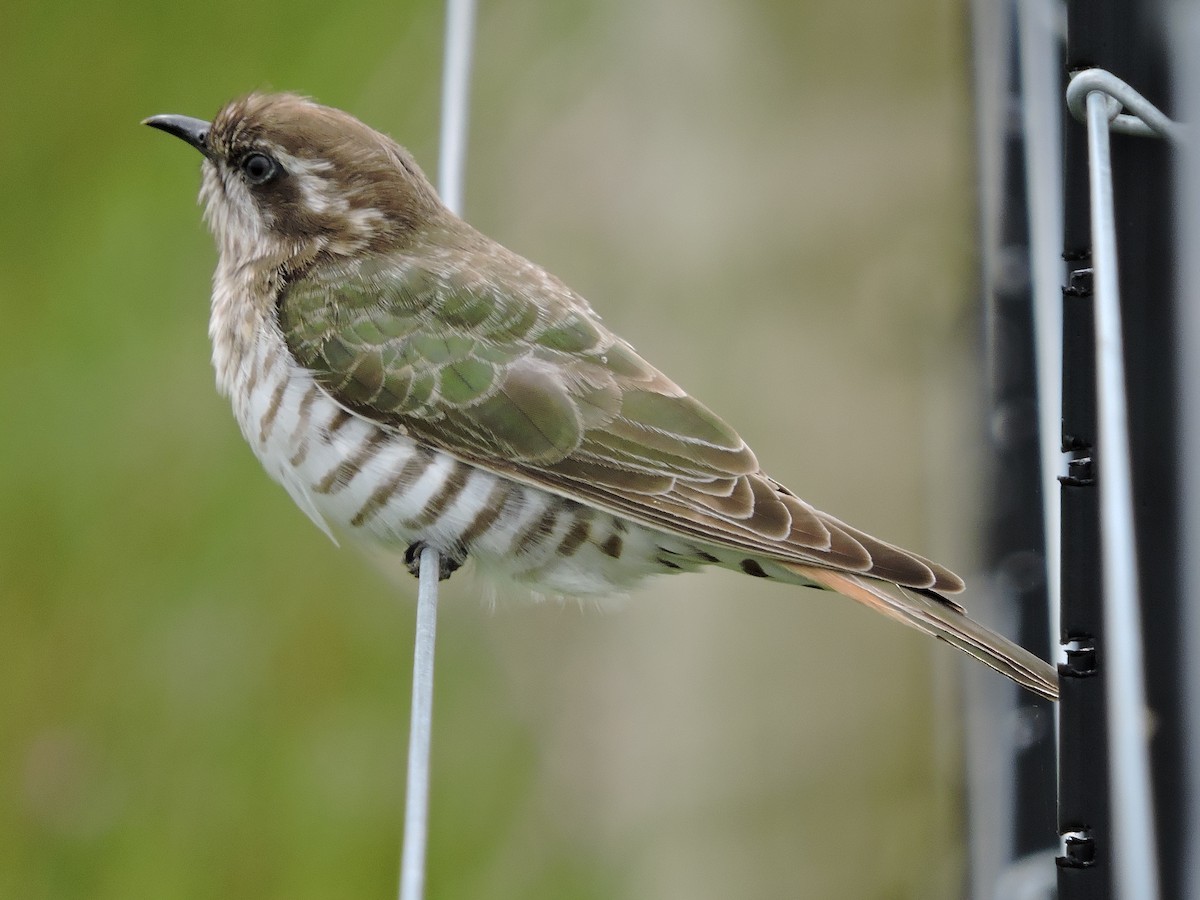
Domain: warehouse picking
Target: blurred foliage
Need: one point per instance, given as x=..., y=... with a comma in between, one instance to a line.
x=202, y=697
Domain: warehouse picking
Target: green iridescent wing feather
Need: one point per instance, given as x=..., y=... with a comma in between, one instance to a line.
x=503, y=366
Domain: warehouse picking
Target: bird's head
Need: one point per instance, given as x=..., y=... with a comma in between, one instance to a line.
x=286, y=180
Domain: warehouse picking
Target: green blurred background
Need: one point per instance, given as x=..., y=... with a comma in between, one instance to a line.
x=202, y=697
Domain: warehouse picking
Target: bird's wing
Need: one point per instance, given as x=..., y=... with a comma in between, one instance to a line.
x=501, y=365
x=930, y=613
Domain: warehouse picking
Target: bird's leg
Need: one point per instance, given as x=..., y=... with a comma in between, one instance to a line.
x=447, y=564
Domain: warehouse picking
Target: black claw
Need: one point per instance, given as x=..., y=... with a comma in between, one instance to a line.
x=447, y=564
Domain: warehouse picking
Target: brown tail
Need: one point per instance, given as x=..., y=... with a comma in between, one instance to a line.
x=943, y=619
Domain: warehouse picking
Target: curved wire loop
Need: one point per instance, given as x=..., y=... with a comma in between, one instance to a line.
x=1143, y=118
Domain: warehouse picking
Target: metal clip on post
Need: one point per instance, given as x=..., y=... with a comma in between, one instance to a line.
x=1097, y=98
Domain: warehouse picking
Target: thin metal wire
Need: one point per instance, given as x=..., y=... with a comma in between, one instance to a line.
x=1147, y=120
x=1042, y=32
x=456, y=78
x=416, y=800
x=991, y=807
x=1134, y=860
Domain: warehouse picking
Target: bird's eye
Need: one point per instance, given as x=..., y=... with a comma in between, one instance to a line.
x=259, y=168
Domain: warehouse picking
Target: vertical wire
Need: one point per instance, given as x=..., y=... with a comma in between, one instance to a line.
x=990, y=798
x=1041, y=32
x=416, y=799
x=1134, y=861
x=456, y=76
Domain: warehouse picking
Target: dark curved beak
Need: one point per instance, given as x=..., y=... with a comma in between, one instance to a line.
x=193, y=131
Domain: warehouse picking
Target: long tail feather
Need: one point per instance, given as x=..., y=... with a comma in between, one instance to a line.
x=943, y=620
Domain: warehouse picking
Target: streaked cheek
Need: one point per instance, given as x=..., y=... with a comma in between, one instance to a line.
x=232, y=214
x=211, y=189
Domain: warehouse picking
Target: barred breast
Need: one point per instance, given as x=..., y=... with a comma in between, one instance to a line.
x=357, y=479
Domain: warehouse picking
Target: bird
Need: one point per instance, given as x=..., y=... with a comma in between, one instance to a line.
x=413, y=383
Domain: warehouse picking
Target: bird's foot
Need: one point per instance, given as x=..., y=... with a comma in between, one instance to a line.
x=447, y=564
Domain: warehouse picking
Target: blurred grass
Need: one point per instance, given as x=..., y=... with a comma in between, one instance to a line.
x=203, y=698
